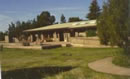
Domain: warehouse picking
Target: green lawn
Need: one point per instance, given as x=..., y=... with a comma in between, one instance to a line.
x=61, y=63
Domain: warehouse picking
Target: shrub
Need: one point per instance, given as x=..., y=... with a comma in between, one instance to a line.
x=91, y=33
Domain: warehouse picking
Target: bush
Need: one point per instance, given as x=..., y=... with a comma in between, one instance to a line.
x=2, y=36
x=50, y=46
x=26, y=44
x=1, y=47
x=68, y=45
x=91, y=33
x=123, y=61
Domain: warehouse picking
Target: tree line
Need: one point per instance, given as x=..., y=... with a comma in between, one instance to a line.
x=16, y=29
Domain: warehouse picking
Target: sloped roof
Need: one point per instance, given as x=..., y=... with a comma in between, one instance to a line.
x=81, y=24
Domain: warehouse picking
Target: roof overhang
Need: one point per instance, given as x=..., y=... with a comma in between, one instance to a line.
x=71, y=25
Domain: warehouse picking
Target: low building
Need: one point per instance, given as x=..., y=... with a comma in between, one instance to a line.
x=60, y=32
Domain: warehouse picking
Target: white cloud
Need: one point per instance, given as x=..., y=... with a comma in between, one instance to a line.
x=65, y=8
x=61, y=9
x=4, y=22
x=10, y=11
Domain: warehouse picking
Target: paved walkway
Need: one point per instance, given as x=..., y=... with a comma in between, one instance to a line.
x=106, y=66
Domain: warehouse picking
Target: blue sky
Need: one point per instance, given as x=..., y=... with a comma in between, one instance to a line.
x=23, y=10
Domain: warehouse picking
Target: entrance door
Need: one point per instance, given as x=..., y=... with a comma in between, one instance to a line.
x=61, y=34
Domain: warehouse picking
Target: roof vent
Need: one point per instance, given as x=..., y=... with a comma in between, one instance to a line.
x=74, y=24
x=92, y=22
x=83, y=23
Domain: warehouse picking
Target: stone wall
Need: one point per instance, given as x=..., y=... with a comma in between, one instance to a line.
x=93, y=41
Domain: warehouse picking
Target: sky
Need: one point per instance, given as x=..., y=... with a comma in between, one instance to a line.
x=23, y=10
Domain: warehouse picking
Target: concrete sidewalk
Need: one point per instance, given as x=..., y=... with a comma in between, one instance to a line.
x=106, y=66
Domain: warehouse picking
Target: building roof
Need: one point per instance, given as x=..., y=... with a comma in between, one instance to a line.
x=71, y=25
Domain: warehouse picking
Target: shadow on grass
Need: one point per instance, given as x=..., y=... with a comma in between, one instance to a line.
x=34, y=73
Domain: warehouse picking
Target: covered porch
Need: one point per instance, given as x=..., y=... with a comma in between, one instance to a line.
x=59, y=32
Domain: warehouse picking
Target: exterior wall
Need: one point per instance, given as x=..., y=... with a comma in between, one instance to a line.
x=16, y=40
x=66, y=37
x=55, y=37
x=7, y=39
x=85, y=40
x=37, y=39
x=82, y=34
x=30, y=38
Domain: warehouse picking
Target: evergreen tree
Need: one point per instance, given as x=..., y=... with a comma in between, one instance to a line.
x=11, y=31
x=103, y=27
x=44, y=19
x=2, y=36
x=34, y=24
x=74, y=19
x=94, y=11
x=62, y=20
x=114, y=21
x=127, y=47
x=52, y=19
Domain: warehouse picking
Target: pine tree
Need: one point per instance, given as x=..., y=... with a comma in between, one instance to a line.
x=94, y=11
x=62, y=20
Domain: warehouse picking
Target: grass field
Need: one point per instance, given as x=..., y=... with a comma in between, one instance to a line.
x=61, y=63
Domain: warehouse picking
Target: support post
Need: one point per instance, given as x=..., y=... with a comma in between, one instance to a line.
x=31, y=38
x=54, y=36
